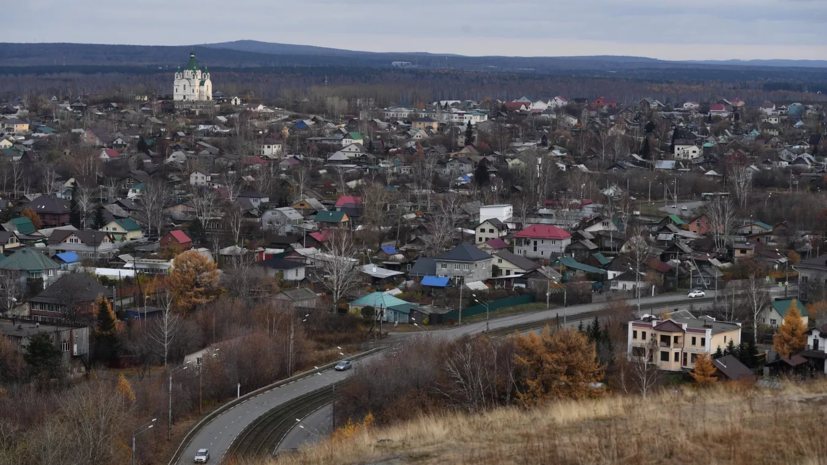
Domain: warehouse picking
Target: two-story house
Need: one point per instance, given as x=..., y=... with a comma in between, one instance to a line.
x=30, y=266
x=674, y=344
x=816, y=350
x=541, y=241
x=123, y=229
x=8, y=241
x=86, y=243
x=685, y=149
x=812, y=278
x=71, y=298
x=464, y=262
x=199, y=178
x=509, y=264
x=489, y=229
x=774, y=313
x=283, y=220
x=71, y=341
x=52, y=211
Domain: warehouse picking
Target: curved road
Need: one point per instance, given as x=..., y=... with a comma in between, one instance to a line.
x=218, y=435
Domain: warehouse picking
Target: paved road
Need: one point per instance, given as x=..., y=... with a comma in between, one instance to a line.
x=317, y=425
x=690, y=207
x=219, y=433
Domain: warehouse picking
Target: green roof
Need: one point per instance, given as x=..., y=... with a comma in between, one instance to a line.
x=763, y=225
x=330, y=217
x=192, y=64
x=354, y=135
x=601, y=259
x=781, y=306
x=570, y=262
x=24, y=225
x=128, y=224
x=378, y=299
x=675, y=219
x=28, y=260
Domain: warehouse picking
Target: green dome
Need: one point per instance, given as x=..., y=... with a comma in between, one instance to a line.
x=192, y=64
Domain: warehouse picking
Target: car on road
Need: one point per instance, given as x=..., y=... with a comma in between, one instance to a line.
x=202, y=456
x=696, y=293
x=684, y=209
x=344, y=365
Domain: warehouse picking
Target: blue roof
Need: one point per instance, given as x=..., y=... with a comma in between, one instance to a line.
x=388, y=249
x=435, y=281
x=67, y=257
x=378, y=299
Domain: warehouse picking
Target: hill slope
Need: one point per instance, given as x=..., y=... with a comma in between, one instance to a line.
x=721, y=425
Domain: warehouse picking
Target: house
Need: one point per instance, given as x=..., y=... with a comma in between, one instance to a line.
x=135, y=191
x=816, y=350
x=626, y=281
x=299, y=298
x=506, y=263
x=86, y=243
x=199, y=178
x=501, y=212
x=8, y=241
x=674, y=344
x=699, y=225
x=604, y=102
x=179, y=238
x=290, y=270
x=269, y=148
x=21, y=226
x=308, y=206
x=741, y=251
x=123, y=229
x=493, y=245
x=719, y=109
x=14, y=126
x=686, y=149
x=387, y=307
x=774, y=313
x=51, y=211
x=109, y=154
x=541, y=241
x=732, y=369
x=329, y=219
x=283, y=220
x=489, y=229
x=465, y=262
x=71, y=298
x=352, y=138
x=31, y=267
x=812, y=278
x=72, y=341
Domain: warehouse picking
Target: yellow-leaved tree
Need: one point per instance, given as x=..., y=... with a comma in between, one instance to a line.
x=704, y=372
x=30, y=214
x=559, y=365
x=193, y=280
x=125, y=388
x=791, y=337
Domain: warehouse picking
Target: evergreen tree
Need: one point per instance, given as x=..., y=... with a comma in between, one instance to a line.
x=790, y=338
x=674, y=138
x=42, y=355
x=580, y=328
x=732, y=349
x=469, y=135
x=751, y=357
x=106, y=337
x=645, y=151
x=74, y=211
x=481, y=176
x=718, y=353
x=196, y=232
x=594, y=331
x=99, y=220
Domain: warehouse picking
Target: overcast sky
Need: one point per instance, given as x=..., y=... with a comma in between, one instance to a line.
x=666, y=29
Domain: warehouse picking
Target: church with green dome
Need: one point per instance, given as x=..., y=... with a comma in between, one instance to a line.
x=192, y=84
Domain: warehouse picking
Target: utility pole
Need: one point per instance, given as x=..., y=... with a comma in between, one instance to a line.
x=460, y=300
x=290, y=354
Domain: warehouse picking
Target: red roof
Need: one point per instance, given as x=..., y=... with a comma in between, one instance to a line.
x=180, y=236
x=515, y=105
x=348, y=199
x=543, y=231
x=254, y=161
x=717, y=107
x=496, y=243
x=320, y=236
x=111, y=153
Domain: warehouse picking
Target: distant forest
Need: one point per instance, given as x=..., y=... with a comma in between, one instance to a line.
x=287, y=73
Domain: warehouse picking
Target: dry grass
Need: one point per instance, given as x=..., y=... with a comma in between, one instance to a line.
x=724, y=425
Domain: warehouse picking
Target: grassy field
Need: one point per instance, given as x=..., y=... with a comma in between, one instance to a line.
x=724, y=425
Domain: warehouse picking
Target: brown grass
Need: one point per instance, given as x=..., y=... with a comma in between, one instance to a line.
x=724, y=425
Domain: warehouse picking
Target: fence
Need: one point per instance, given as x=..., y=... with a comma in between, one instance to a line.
x=492, y=306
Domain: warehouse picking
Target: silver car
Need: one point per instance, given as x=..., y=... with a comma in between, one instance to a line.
x=202, y=456
x=344, y=365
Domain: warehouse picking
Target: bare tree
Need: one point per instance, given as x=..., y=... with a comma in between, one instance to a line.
x=638, y=250
x=16, y=175
x=204, y=202
x=112, y=187
x=154, y=198
x=602, y=141
x=166, y=327
x=9, y=290
x=721, y=215
x=233, y=183
x=84, y=200
x=742, y=183
x=442, y=225
x=49, y=180
x=757, y=297
x=646, y=375
x=335, y=265
x=265, y=180
x=620, y=146
x=424, y=171
x=234, y=220
x=302, y=175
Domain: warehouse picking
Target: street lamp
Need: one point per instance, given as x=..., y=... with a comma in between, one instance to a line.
x=487, y=310
x=787, y=275
x=637, y=285
x=314, y=431
x=138, y=431
x=169, y=424
x=565, y=295
x=423, y=328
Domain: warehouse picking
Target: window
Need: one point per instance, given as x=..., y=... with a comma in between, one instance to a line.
x=643, y=335
x=703, y=342
x=456, y=266
x=773, y=321
x=684, y=358
x=64, y=346
x=443, y=266
x=677, y=357
x=694, y=340
x=491, y=231
x=664, y=356
x=674, y=339
x=634, y=334
x=724, y=339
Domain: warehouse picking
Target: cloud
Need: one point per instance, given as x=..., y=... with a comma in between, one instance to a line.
x=700, y=29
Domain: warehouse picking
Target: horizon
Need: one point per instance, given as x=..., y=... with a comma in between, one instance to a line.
x=709, y=30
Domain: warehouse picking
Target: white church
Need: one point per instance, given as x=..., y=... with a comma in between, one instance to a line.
x=192, y=84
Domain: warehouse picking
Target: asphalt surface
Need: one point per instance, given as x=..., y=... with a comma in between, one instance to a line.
x=317, y=425
x=690, y=207
x=219, y=433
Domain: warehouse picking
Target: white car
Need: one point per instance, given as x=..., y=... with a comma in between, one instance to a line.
x=696, y=293
x=202, y=456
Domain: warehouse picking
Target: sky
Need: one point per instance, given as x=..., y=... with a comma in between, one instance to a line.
x=665, y=29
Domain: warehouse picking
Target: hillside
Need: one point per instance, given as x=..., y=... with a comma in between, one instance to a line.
x=722, y=425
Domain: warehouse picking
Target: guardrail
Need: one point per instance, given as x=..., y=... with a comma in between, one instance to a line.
x=220, y=410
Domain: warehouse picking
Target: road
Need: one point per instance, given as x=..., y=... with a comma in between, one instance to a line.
x=217, y=436
x=317, y=425
x=691, y=207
